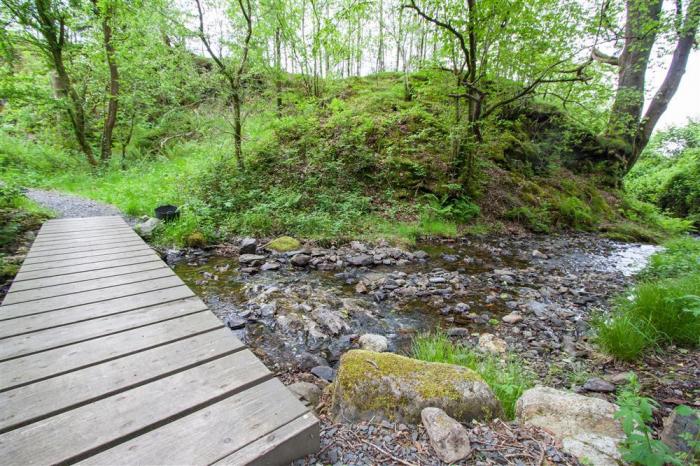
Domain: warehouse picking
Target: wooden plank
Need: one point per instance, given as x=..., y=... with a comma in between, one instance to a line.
x=36, y=322
x=78, y=268
x=57, y=266
x=65, y=278
x=81, y=226
x=49, y=397
x=39, y=366
x=62, y=252
x=12, y=311
x=292, y=441
x=43, y=340
x=145, y=274
x=43, y=245
x=81, y=234
x=212, y=433
x=78, y=219
x=85, y=431
x=91, y=254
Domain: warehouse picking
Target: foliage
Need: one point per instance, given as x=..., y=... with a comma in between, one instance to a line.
x=508, y=378
x=636, y=414
x=663, y=309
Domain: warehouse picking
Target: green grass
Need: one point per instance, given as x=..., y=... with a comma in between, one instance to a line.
x=507, y=377
x=663, y=309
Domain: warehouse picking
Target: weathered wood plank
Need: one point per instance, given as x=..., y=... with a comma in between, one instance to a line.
x=212, y=433
x=286, y=444
x=87, y=430
x=43, y=340
x=49, y=397
x=12, y=311
x=90, y=254
x=78, y=268
x=39, y=366
x=57, y=266
x=145, y=274
x=28, y=284
x=82, y=234
x=36, y=322
x=62, y=252
x=84, y=226
x=43, y=245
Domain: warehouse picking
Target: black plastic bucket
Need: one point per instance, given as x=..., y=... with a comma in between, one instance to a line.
x=167, y=212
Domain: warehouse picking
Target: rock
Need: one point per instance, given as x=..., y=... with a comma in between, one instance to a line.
x=306, y=391
x=250, y=258
x=538, y=254
x=330, y=319
x=676, y=427
x=361, y=260
x=361, y=288
x=146, y=228
x=421, y=255
x=195, y=240
x=301, y=260
x=234, y=322
x=512, y=318
x=248, y=246
x=283, y=244
x=324, y=372
x=389, y=386
x=270, y=266
x=448, y=437
x=373, y=342
x=492, y=343
x=308, y=361
x=595, y=384
x=457, y=332
x=585, y=425
x=621, y=378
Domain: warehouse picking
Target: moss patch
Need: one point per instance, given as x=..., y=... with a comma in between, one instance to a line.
x=283, y=244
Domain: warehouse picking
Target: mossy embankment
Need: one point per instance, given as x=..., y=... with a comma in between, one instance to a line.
x=361, y=161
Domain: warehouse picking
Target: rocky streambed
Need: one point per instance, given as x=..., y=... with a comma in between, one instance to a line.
x=303, y=309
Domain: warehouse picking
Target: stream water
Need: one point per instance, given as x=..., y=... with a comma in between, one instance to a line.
x=301, y=317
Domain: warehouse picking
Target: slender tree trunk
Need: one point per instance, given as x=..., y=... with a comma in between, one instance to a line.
x=380, y=48
x=278, y=70
x=237, y=137
x=113, y=102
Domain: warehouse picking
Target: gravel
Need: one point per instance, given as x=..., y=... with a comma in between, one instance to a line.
x=68, y=205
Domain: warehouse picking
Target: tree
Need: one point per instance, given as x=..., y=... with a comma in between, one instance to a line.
x=644, y=23
x=45, y=25
x=104, y=10
x=506, y=51
x=231, y=69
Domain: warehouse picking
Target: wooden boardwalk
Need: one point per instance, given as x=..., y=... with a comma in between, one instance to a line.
x=106, y=357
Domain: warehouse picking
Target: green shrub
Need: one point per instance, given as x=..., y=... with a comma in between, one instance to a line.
x=508, y=377
x=574, y=213
x=535, y=219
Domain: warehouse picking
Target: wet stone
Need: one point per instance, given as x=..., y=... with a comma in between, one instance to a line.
x=324, y=372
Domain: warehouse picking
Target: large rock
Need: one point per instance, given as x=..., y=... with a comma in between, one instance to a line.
x=360, y=260
x=283, y=244
x=389, y=386
x=586, y=426
x=145, y=229
x=306, y=391
x=448, y=437
x=250, y=258
x=248, y=246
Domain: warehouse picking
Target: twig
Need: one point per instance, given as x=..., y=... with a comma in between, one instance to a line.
x=380, y=449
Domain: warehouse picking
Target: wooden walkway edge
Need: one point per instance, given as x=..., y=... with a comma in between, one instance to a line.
x=107, y=358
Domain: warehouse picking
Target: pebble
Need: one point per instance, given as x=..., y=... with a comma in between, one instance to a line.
x=596, y=384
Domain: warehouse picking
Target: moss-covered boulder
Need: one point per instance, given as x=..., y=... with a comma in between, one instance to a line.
x=385, y=385
x=283, y=244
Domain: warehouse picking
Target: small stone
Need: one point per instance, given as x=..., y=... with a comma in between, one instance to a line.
x=248, y=246
x=538, y=254
x=324, y=373
x=361, y=260
x=373, y=342
x=306, y=391
x=621, y=378
x=270, y=266
x=301, y=260
x=457, y=332
x=595, y=384
x=146, y=228
x=512, y=318
x=250, y=258
x=234, y=322
x=420, y=255
x=308, y=361
x=361, y=288
x=492, y=343
x=448, y=437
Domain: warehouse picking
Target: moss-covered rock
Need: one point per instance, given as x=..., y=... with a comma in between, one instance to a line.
x=386, y=385
x=283, y=244
x=195, y=240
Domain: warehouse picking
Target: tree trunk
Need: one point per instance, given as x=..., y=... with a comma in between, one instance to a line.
x=112, y=105
x=278, y=70
x=237, y=138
